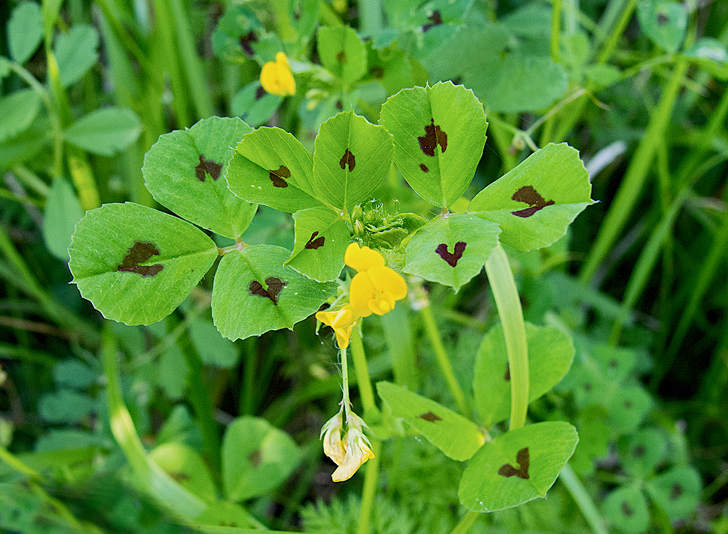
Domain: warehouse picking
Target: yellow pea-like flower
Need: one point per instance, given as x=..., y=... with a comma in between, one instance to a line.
x=276, y=77
x=375, y=288
x=342, y=321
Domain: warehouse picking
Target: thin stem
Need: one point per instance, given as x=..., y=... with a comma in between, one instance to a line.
x=554, y=110
x=443, y=360
x=362, y=374
x=583, y=500
x=369, y=491
x=345, y=374
x=555, y=30
x=465, y=523
x=614, y=36
x=505, y=292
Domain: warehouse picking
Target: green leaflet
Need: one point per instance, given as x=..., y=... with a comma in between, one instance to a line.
x=136, y=264
x=351, y=159
x=342, y=53
x=62, y=212
x=535, y=202
x=17, y=112
x=676, y=491
x=517, y=467
x=76, y=52
x=254, y=293
x=184, y=170
x=451, y=249
x=626, y=507
x=25, y=30
x=186, y=466
x=458, y=437
x=664, y=22
x=104, y=131
x=321, y=240
x=439, y=135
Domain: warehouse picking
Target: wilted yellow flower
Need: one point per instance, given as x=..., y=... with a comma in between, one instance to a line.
x=342, y=321
x=334, y=447
x=351, y=452
x=375, y=288
x=276, y=77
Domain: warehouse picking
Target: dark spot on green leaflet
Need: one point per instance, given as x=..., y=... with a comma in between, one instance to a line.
x=435, y=20
x=246, y=40
x=260, y=93
x=431, y=417
x=424, y=168
x=275, y=286
x=140, y=252
x=433, y=136
x=530, y=196
x=613, y=364
x=255, y=457
x=587, y=387
x=662, y=19
x=315, y=242
x=628, y=404
x=341, y=57
x=180, y=477
x=207, y=166
x=451, y=257
x=676, y=491
x=339, y=105
x=523, y=460
x=377, y=72
x=627, y=509
x=639, y=451
x=277, y=176
x=507, y=376
x=347, y=159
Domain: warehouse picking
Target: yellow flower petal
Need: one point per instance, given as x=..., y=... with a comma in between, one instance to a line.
x=362, y=258
x=361, y=292
x=358, y=451
x=342, y=321
x=387, y=280
x=276, y=77
x=334, y=446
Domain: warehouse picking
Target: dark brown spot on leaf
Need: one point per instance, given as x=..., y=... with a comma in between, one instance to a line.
x=627, y=509
x=339, y=105
x=435, y=20
x=451, y=257
x=431, y=417
x=255, y=457
x=275, y=286
x=587, y=387
x=246, y=41
x=341, y=56
x=662, y=18
x=523, y=460
x=530, y=196
x=628, y=404
x=277, y=176
x=639, y=451
x=347, y=159
x=424, y=168
x=180, y=477
x=676, y=491
x=260, y=93
x=507, y=376
x=433, y=136
x=140, y=252
x=315, y=242
x=377, y=72
x=207, y=166
x=613, y=364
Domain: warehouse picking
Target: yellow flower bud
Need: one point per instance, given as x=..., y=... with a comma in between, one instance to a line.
x=276, y=77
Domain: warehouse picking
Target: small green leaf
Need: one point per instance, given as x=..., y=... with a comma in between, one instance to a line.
x=439, y=135
x=184, y=170
x=254, y=293
x=535, y=202
x=136, y=264
x=642, y=451
x=211, y=346
x=628, y=407
x=626, y=508
x=25, y=30
x=65, y=406
x=62, y=212
x=676, y=491
x=710, y=55
x=254, y=105
x=237, y=33
x=17, y=112
x=4, y=67
x=550, y=353
x=76, y=52
x=458, y=437
x=321, y=240
x=517, y=467
x=256, y=457
x=304, y=17
x=172, y=372
x=342, y=52
x=664, y=22
x=271, y=167
x=451, y=249
x=74, y=373
x=351, y=159
x=104, y=131
x=185, y=466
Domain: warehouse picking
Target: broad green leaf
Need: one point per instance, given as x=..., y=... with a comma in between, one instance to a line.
x=439, y=135
x=535, y=202
x=254, y=105
x=66, y=406
x=664, y=22
x=62, y=212
x=256, y=457
x=254, y=293
x=710, y=55
x=304, y=17
x=642, y=451
x=25, y=30
x=342, y=52
x=185, y=465
x=550, y=353
x=451, y=249
x=211, y=346
x=626, y=508
x=676, y=491
x=271, y=167
x=136, y=264
x=321, y=240
x=517, y=467
x=517, y=82
x=458, y=437
x=17, y=112
x=627, y=407
x=351, y=159
x=76, y=52
x=532, y=21
x=104, y=131
x=74, y=373
x=184, y=171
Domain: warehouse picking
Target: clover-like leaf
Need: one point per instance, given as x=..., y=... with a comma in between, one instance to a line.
x=254, y=292
x=184, y=170
x=321, y=240
x=458, y=437
x=186, y=466
x=76, y=52
x=17, y=112
x=451, y=249
x=439, y=135
x=517, y=467
x=626, y=507
x=136, y=264
x=25, y=31
x=351, y=159
x=535, y=202
x=342, y=52
x=105, y=131
x=676, y=491
x=642, y=451
x=664, y=22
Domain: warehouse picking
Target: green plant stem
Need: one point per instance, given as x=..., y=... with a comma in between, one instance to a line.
x=327, y=16
x=362, y=374
x=369, y=491
x=32, y=180
x=615, y=35
x=505, y=292
x=345, y=386
x=465, y=523
x=443, y=360
x=583, y=500
x=555, y=30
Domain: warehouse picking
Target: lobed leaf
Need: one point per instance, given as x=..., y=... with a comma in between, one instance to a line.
x=321, y=240
x=342, y=53
x=76, y=52
x=25, y=31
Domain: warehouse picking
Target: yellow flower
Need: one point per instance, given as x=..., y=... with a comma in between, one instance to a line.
x=342, y=321
x=334, y=447
x=276, y=77
x=357, y=447
x=375, y=288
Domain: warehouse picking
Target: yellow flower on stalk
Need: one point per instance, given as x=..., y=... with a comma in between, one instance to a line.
x=276, y=77
x=375, y=288
x=342, y=321
x=331, y=433
x=349, y=453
